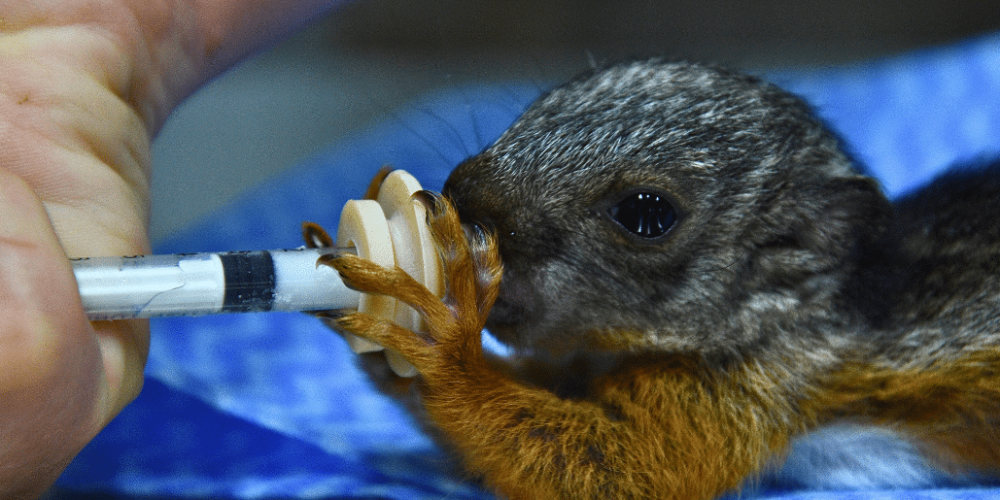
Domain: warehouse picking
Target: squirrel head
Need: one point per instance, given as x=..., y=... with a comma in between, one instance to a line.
x=667, y=206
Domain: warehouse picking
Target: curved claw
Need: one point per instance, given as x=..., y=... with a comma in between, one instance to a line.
x=315, y=236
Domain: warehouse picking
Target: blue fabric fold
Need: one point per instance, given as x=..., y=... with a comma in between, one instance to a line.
x=272, y=405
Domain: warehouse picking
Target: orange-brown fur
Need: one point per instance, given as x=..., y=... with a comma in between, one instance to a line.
x=952, y=407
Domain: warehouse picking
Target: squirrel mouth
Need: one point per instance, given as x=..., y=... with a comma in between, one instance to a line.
x=505, y=314
x=517, y=303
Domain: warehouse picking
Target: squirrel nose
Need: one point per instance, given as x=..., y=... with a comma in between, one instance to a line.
x=469, y=213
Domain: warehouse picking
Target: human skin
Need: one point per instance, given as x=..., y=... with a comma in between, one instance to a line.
x=84, y=86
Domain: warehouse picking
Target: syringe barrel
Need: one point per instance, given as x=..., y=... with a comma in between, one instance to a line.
x=209, y=283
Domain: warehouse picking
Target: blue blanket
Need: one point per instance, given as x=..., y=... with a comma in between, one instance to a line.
x=271, y=405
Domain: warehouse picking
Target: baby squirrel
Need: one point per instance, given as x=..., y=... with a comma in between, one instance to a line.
x=701, y=289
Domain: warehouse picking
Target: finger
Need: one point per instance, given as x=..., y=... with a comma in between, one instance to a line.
x=55, y=391
x=83, y=154
x=237, y=29
x=204, y=38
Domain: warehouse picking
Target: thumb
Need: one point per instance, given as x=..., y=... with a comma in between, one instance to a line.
x=55, y=393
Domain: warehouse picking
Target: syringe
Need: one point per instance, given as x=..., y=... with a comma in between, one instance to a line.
x=210, y=283
x=389, y=231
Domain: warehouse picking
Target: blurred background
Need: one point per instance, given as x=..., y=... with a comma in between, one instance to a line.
x=371, y=57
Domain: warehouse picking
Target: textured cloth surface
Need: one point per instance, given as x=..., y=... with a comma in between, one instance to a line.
x=271, y=405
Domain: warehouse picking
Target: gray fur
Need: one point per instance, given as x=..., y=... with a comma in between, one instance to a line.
x=772, y=214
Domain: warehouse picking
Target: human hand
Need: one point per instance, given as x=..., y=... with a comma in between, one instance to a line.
x=84, y=85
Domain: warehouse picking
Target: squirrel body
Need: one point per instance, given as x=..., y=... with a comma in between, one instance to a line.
x=701, y=290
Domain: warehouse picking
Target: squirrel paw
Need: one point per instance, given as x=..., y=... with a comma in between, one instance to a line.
x=454, y=323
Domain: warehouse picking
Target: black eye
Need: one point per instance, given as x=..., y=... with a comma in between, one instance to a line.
x=647, y=215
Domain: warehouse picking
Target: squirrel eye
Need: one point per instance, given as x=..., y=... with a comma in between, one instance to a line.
x=647, y=215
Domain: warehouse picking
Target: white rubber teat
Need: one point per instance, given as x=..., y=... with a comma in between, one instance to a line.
x=392, y=230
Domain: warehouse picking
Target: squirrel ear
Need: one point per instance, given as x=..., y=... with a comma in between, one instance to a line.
x=825, y=225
